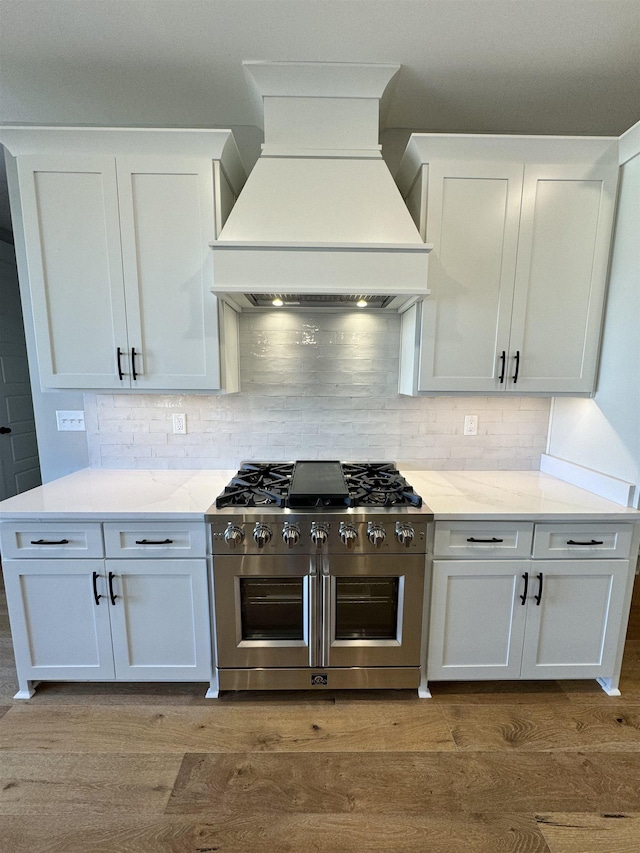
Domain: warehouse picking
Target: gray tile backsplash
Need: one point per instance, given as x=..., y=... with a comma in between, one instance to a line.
x=316, y=385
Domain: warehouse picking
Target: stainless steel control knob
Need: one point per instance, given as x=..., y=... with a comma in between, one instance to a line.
x=376, y=533
x=233, y=535
x=319, y=533
x=261, y=534
x=348, y=534
x=404, y=533
x=290, y=534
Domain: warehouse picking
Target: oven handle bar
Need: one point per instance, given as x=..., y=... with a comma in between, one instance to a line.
x=327, y=611
x=314, y=614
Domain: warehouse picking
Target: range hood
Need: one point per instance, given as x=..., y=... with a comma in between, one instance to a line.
x=320, y=221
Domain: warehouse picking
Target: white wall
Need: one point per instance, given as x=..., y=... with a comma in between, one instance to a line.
x=603, y=433
x=316, y=385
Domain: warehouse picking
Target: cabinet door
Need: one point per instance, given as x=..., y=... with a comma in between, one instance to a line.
x=574, y=631
x=59, y=629
x=563, y=253
x=472, y=220
x=160, y=620
x=167, y=221
x=72, y=239
x=477, y=619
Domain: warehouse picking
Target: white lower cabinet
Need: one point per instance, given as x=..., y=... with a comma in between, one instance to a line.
x=529, y=618
x=573, y=632
x=144, y=619
x=160, y=620
x=484, y=627
x=477, y=620
x=60, y=629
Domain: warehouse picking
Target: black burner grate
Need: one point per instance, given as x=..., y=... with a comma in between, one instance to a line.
x=375, y=484
x=378, y=484
x=258, y=484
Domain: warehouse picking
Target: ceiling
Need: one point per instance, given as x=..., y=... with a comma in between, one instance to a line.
x=504, y=66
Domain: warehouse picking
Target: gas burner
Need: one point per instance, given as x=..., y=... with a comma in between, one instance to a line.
x=318, y=485
x=258, y=484
x=378, y=484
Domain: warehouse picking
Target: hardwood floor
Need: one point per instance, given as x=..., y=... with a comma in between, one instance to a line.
x=548, y=767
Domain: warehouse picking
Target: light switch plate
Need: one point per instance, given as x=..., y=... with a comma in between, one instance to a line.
x=70, y=421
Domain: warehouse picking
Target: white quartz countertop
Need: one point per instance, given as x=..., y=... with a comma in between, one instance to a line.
x=93, y=494
x=96, y=493
x=529, y=495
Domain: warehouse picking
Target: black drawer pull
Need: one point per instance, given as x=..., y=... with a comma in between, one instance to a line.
x=120, y=373
x=134, y=375
x=96, y=597
x=503, y=359
x=490, y=541
x=154, y=542
x=539, y=595
x=523, y=597
x=49, y=542
x=112, y=595
x=593, y=542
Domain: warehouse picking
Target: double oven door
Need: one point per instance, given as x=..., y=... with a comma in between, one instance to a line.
x=319, y=611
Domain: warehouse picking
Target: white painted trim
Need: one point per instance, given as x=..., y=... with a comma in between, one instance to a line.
x=118, y=141
x=320, y=79
x=629, y=144
x=611, y=488
x=233, y=245
x=425, y=147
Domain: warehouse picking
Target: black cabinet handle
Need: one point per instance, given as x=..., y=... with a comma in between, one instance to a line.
x=523, y=597
x=515, y=375
x=490, y=541
x=49, y=542
x=593, y=542
x=539, y=595
x=503, y=359
x=96, y=597
x=134, y=375
x=154, y=542
x=112, y=595
x=5, y=430
x=120, y=373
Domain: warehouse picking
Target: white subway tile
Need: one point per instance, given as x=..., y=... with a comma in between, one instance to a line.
x=315, y=386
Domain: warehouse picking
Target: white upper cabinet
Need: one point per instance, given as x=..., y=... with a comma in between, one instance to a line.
x=119, y=263
x=521, y=229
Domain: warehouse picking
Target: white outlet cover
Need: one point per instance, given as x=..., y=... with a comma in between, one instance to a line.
x=470, y=424
x=179, y=424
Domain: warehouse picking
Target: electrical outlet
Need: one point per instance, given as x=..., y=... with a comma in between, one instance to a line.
x=70, y=421
x=179, y=424
x=470, y=424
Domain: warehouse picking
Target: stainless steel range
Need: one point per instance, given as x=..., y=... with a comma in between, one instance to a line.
x=319, y=577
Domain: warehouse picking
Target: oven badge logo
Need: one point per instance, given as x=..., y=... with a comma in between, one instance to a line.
x=319, y=679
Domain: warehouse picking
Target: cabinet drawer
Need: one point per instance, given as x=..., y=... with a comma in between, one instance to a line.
x=32, y=540
x=459, y=539
x=582, y=541
x=155, y=539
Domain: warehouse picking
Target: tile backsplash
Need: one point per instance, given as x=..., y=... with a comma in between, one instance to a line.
x=316, y=385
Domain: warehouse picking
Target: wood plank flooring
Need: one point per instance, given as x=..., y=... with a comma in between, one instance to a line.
x=547, y=767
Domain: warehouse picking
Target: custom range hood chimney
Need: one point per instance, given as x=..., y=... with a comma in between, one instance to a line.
x=320, y=221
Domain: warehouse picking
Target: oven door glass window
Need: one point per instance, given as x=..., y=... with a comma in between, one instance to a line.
x=272, y=608
x=366, y=608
